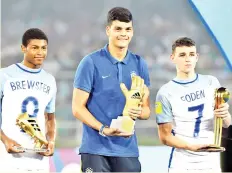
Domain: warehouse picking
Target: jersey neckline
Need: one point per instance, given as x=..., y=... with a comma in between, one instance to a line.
x=114, y=60
x=187, y=81
x=27, y=69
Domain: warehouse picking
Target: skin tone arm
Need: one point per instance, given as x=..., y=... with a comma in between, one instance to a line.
x=9, y=144
x=51, y=133
x=167, y=138
x=80, y=111
x=50, y=126
x=223, y=112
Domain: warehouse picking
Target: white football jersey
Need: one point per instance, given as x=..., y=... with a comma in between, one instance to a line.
x=189, y=106
x=25, y=90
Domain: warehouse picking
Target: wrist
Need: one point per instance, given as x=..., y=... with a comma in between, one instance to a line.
x=145, y=113
x=187, y=146
x=3, y=138
x=141, y=115
x=51, y=141
x=101, y=131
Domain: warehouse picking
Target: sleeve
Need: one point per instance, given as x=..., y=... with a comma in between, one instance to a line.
x=214, y=82
x=84, y=75
x=163, y=109
x=144, y=72
x=50, y=108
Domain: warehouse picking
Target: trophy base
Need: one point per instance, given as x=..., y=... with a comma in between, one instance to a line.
x=123, y=123
x=212, y=148
x=32, y=150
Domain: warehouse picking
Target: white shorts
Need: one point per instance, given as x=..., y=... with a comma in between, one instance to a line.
x=16, y=170
x=173, y=170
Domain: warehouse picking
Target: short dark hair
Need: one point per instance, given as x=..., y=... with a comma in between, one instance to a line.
x=33, y=33
x=119, y=13
x=183, y=41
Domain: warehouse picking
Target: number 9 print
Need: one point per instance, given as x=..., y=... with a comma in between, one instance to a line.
x=35, y=103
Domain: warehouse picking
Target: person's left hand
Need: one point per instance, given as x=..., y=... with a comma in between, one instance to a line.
x=135, y=113
x=50, y=148
x=222, y=111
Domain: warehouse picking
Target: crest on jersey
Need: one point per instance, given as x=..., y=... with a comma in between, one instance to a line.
x=89, y=170
x=158, y=108
x=133, y=73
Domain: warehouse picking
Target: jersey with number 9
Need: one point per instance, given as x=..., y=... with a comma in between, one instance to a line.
x=24, y=90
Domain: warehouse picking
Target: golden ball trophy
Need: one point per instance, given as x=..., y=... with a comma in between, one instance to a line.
x=221, y=95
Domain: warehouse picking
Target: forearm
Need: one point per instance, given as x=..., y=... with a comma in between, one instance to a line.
x=86, y=117
x=51, y=130
x=3, y=136
x=145, y=113
x=175, y=142
x=227, y=121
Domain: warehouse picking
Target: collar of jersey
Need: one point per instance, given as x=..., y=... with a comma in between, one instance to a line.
x=188, y=81
x=112, y=59
x=27, y=69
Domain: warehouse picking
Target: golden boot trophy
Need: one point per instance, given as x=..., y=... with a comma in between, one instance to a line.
x=31, y=127
x=133, y=100
x=221, y=95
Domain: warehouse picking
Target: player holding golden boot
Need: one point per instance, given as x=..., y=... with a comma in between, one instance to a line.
x=31, y=127
x=27, y=110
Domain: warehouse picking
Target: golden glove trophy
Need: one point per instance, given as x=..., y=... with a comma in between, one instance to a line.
x=31, y=127
x=133, y=100
x=221, y=95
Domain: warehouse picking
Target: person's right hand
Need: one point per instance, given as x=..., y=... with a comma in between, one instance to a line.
x=115, y=132
x=197, y=147
x=10, y=146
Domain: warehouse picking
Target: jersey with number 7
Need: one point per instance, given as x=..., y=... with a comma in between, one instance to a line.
x=189, y=106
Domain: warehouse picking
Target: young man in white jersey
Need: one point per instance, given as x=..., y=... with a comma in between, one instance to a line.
x=26, y=88
x=185, y=113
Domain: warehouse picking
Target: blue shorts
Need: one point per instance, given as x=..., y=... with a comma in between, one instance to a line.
x=99, y=163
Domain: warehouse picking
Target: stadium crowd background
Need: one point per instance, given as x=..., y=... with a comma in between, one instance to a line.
x=77, y=27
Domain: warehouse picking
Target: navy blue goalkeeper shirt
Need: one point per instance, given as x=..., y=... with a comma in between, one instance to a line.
x=100, y=75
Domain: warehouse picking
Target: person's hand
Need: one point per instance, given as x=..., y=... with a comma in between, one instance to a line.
x=133, y=96
x=50, y=148
x=135, y=113
x=115, y=132
x=11, y=146
x=222, y=111
x=197, y=147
